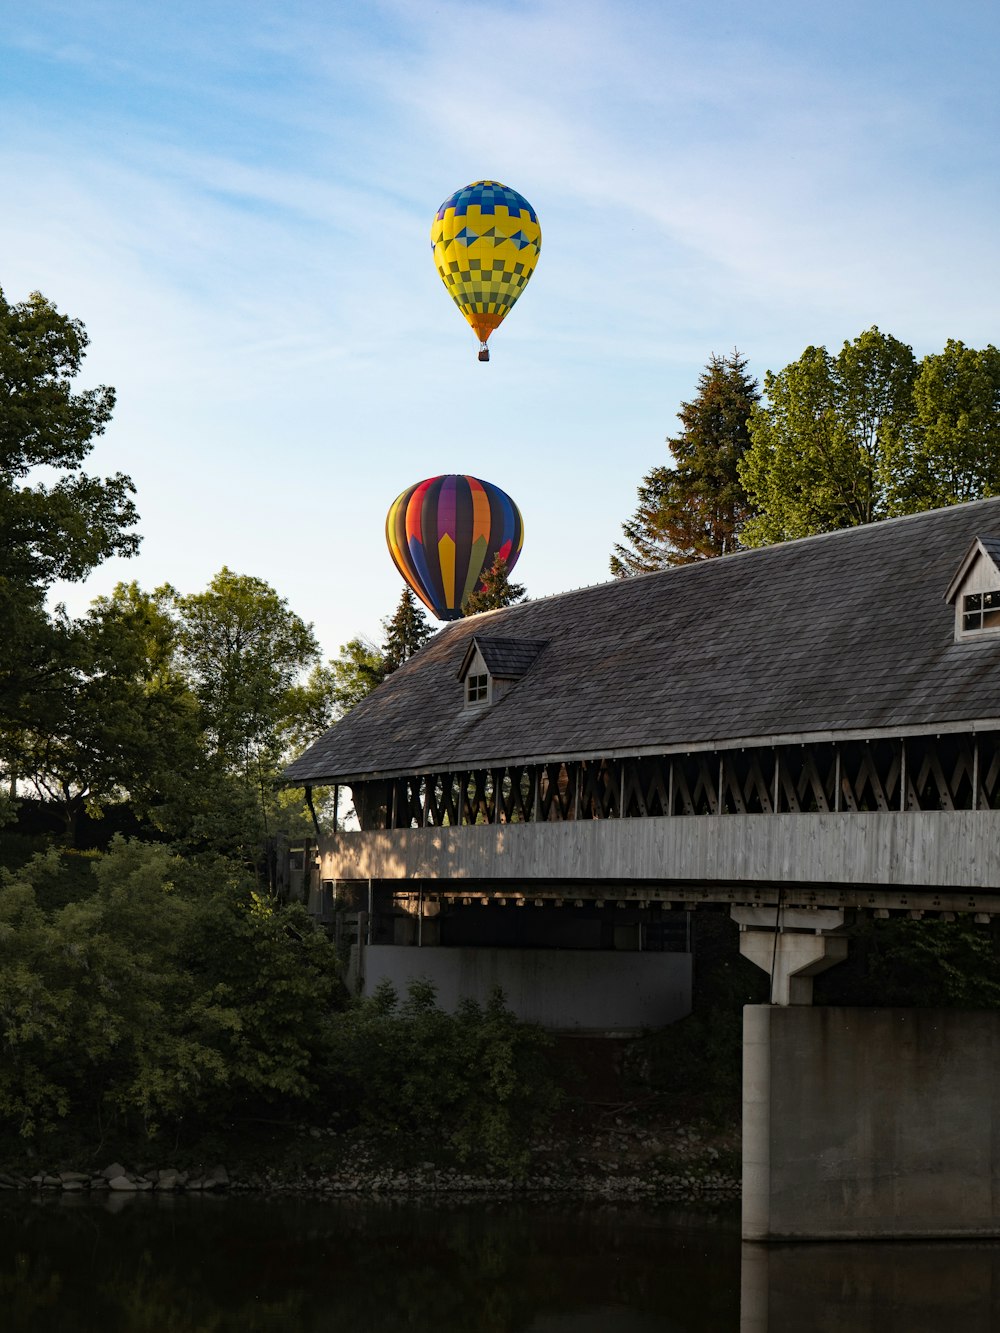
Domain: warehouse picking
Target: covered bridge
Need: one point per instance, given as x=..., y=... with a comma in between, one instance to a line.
x=813, y=725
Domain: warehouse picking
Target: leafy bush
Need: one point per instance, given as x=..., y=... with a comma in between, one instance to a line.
x=167, y=991
x=475, y=1081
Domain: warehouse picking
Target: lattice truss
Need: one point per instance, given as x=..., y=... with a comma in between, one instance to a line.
x=948, y=772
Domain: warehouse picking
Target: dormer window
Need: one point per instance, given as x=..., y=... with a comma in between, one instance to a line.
x=980, y=611
x=975, y=591
x=477, y=689
x=492, y=666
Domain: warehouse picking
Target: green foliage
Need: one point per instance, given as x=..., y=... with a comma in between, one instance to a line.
x=118, y=717
x=360, y=669
x=950, y=449
x=494, y=590
x=474, y=1081
x=406, y=632
x=826, y=440
x=695, y=1066
x=62, y=530
x=870, y=434
x=167, y=992
x=928, y=963
x=362, y=665
x=243, y=650
x=697, y=508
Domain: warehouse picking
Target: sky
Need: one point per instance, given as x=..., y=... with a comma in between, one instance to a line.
x=236, y=200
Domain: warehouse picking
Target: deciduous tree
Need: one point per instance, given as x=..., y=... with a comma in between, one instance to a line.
x=56, y=520
x=949, y=451
x=826, y=441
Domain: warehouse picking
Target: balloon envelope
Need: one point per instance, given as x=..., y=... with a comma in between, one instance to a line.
x=486, y=242
x=445, y=532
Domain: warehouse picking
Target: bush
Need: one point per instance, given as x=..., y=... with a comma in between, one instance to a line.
x=475, y=1081
x=167, y=991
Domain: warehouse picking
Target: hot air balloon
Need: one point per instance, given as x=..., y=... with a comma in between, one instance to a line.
x=486, y=241
x=445, y=532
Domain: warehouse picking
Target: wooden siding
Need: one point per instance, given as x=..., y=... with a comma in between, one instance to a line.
x=836, y=858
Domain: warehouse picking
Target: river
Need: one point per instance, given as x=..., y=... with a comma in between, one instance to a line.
x=209, y=1264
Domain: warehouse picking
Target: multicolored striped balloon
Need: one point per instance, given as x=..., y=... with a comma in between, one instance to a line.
x=486, y=242
x=445, y=532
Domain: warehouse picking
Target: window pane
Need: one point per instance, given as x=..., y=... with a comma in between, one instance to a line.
x=991, y=619
x=970, y=622
x=973, y=601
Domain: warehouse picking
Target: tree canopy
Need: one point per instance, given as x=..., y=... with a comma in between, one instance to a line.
x=696, y=508
x=871, y=433
x=63, y=527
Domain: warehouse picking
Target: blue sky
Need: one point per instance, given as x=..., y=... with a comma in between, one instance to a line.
x=236, y=199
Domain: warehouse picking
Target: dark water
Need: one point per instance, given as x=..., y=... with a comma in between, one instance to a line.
x=131, y=1264
x=211, y=1265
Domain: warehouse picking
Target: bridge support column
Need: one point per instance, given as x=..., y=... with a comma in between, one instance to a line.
x=793, y=945
x=864, y=1124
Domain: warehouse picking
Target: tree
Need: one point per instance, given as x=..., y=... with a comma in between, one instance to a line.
x=827, y=440
x=62, y=530
x=494, y=590
x=406, y=631
x=244, y=650
x=360, y=668
x=950, y=448
x=60, y=526
x=117, y=720
x=697, y=508
x=362, y=665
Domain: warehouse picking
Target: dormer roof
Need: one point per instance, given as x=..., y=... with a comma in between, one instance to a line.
x=988, y=546
x=504, y=659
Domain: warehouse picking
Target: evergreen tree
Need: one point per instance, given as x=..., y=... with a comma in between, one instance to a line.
x=696, y=508
x=494, y=591
x=406, y=631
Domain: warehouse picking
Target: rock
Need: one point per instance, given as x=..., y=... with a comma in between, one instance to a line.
x=122, y=1184
x=71, y=1186
x=67, y=1177
x=113, y=1171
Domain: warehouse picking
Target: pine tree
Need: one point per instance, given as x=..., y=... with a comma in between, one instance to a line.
x=494, y=591
x=695, y=509
x=406, y=630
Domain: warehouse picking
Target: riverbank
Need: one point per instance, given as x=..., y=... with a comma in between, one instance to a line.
x=624, y=1159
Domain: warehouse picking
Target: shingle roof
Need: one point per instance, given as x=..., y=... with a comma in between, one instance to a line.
x=845, y=632
x=507, y=659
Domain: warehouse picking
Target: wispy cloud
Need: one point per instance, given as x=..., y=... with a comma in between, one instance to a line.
x=237, y=202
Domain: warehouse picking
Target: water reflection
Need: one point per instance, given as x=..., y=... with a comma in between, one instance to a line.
x=215, y=1265
x=880, y=1287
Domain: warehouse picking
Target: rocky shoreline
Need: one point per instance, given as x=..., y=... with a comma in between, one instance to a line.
x=675, y=1165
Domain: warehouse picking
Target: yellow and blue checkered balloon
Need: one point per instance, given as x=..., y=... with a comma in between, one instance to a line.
x=486, y=242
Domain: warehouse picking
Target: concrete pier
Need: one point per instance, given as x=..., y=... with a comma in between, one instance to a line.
x=870, y=1123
